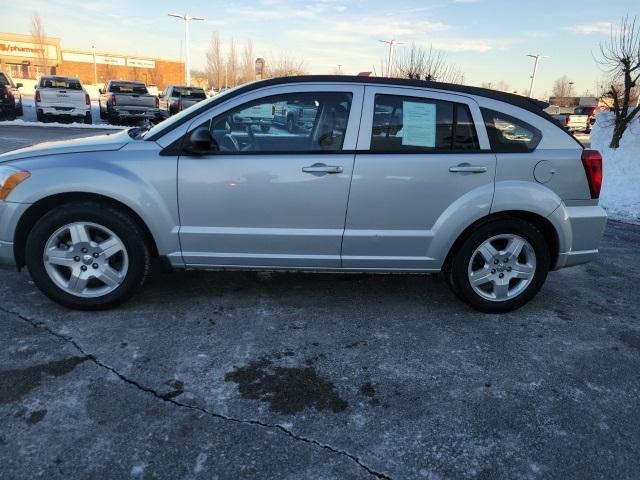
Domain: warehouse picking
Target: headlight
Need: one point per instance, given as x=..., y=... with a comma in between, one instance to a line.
x=10, y=178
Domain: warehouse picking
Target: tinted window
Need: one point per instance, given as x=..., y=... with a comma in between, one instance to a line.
x=137, y=88
x=188, y=92
x=63, y=83
x=297, y=122
x=508, y=134
x=413, y=124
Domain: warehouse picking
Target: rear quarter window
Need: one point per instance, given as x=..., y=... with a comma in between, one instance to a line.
x=508, y=134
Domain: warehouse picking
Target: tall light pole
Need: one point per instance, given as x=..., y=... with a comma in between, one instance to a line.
x=537, y=57
x=186, y=19
x=392, y=43
x=95, y=69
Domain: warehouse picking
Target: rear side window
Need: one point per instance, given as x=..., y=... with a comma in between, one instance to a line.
x=62, y=83
x=136, y=88
x=419, y=125
x=508, y=134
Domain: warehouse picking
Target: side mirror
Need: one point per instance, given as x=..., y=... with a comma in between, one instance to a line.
x=19, y=85
x=200, y=142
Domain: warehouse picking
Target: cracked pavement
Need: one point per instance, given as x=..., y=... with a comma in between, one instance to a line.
x=308, y=376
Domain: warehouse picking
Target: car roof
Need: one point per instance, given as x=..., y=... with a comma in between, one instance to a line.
x=532, y=105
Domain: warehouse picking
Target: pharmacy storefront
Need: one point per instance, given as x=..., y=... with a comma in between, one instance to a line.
x=22, y=57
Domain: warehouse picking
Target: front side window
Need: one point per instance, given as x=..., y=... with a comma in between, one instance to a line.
x=508, y=134
x=419, y=125
x=296, y=122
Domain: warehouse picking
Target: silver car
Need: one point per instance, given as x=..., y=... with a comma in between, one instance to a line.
x=392, y=176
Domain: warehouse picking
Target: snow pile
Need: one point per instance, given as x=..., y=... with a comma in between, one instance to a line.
x=23, y=123
x=620, y=194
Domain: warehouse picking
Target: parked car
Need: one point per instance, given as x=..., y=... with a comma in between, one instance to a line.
x=176, y=98
x=480, y=185
x=10, y=97
x=581, y=120
x=125, y=100
x=295, y=115
x=62, y=98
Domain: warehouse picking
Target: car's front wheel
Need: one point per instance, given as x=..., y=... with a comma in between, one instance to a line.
x=87, y=256
x=500, y=266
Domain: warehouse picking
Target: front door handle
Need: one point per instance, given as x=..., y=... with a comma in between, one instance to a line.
x=322, y=168
x=468, y=168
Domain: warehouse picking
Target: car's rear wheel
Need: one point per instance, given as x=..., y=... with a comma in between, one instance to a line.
x=500, y=266
x=87, y=256
x=88, y=119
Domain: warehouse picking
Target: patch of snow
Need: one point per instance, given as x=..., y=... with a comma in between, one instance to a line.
x=620, y=194
x=201, y=459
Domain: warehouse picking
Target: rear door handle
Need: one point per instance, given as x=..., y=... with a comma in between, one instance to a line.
x=467, y=168
x=322, y=168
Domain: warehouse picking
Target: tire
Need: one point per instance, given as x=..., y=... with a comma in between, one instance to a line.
x=88, y=120
x=532, y=262
x=126, y=275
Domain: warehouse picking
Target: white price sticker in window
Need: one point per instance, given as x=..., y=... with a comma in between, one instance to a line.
x=418, y=124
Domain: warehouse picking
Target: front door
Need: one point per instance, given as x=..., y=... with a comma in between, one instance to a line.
x=422, y=169
x=273, y=193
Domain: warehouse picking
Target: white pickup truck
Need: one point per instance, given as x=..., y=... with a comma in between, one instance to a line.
x=62, y=98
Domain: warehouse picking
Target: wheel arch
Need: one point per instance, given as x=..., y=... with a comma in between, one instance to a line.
x=543, y=224
x=46, y=204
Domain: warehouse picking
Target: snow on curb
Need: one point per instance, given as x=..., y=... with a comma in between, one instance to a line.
x=22, y=123
x=620, y=194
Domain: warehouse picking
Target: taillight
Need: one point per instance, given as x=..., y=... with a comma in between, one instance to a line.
x=301, y=112
x=87, y=100
x=38, y=98
x=112, y=100
x=592, y=162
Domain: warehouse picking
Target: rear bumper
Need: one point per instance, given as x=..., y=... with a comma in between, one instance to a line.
x=580, y=231
x=76, y=112
x=150, y=114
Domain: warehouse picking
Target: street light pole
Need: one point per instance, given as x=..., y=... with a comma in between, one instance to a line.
x=392, y=43
x=187, y=65
x=537, y=57
x=95, y=69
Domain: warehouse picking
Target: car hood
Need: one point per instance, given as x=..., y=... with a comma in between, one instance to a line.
x=98, y=143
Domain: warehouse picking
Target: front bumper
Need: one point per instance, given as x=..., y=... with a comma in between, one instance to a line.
x=580, y=230
x=10, y=214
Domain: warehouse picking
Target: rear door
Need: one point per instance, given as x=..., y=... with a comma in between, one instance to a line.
x=267, y=197
x=422, y=169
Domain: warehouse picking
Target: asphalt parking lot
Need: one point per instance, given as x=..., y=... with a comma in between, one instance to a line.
x=312, y=376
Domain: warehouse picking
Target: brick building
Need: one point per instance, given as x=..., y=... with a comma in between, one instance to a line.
x=23, y=58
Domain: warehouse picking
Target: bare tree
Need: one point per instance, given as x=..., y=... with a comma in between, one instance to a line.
x=562, y=88
x=215, y=62
x=285, y=66
x=39, y=36
x=620, y=57
x=248, y=73
x=231, y=73
x=426, y=64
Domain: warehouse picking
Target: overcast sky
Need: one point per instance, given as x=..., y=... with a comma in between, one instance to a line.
x=487, y=39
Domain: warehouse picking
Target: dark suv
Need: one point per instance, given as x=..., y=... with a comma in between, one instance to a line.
x=10, y=98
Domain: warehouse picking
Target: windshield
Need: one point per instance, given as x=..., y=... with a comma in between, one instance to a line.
x=137, y=88
x=188, y=92
x=180, y=116
x=67, y=84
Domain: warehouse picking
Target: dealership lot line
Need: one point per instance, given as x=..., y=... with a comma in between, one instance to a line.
x=245, y=375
